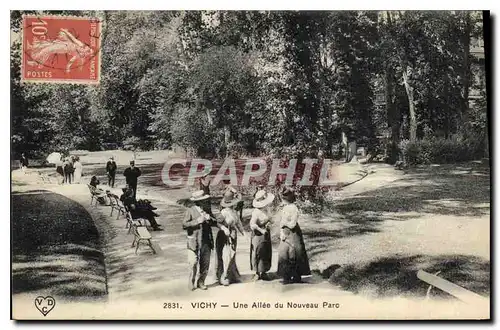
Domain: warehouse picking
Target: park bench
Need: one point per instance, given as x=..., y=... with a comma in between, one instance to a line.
x=141, y=233
x=131, y=222
x=456, y=291
x=45, y=179
x=116, y=204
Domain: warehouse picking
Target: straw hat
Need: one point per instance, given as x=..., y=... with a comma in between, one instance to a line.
x=262, y=198
x=199, y=195
x=229, y=199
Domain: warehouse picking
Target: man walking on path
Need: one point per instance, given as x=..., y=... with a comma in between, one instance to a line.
x=111, y=171
x=131, y=174
x=68, y=170
x=24, y=162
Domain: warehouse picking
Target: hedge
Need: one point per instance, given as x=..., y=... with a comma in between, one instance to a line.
x=441, y=150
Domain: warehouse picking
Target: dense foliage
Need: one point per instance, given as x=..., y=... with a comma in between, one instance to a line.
x=264, y=83
x=439, y=150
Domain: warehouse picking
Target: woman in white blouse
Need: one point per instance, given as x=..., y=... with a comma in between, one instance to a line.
x=226, y=240
x=293, y=262
x=260, y=247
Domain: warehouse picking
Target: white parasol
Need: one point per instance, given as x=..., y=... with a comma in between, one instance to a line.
x=54, y=158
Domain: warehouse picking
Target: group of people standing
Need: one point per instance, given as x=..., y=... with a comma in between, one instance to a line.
x=70, y=169
x=198, y=222
x=293, y=262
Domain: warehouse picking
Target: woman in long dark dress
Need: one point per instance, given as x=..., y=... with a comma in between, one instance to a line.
x=260, y=246
x=226, y=240
x=293, y=262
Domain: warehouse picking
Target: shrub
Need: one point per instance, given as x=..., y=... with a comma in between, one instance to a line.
x=132, y=143
x=441, y=150
x=162, y=144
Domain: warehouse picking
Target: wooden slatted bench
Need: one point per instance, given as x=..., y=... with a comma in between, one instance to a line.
x=44, y=177
x=141, y=234
x=92, y=194
x=457, y=291
x=116, y=204
x=140, y=231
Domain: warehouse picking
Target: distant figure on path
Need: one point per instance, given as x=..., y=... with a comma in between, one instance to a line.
x=68, y=170
x=111, y=171
x=131, y=174
x=24, y=163
x=260, y=246
x=292, y=257
x=78, y=170
x=72, y=159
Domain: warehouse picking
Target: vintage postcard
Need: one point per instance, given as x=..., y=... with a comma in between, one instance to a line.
x=250, y=165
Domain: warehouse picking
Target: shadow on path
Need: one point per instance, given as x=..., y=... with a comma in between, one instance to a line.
x=397, y=276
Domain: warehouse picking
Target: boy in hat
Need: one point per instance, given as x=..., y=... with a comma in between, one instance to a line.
x=131, y=174
x=197, y=222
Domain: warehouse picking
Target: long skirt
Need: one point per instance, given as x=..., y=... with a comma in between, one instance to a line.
x=260, y=252
x=292, y=255
x=78, y=175
x=225, y=262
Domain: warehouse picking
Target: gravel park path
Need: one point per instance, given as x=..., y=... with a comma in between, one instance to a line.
x=376, y=235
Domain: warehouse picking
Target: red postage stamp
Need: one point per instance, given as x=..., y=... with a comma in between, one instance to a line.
x=61, y=49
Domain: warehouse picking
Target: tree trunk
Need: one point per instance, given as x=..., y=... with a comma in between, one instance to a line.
x=352, y=150
x=345, y=145
x=411, y=106
x=466, y=67
x=393, y=116
x=227, y=137
x=393, y=111
x=209, y=117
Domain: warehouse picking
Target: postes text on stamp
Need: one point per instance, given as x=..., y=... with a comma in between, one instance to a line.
x=61, y=49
